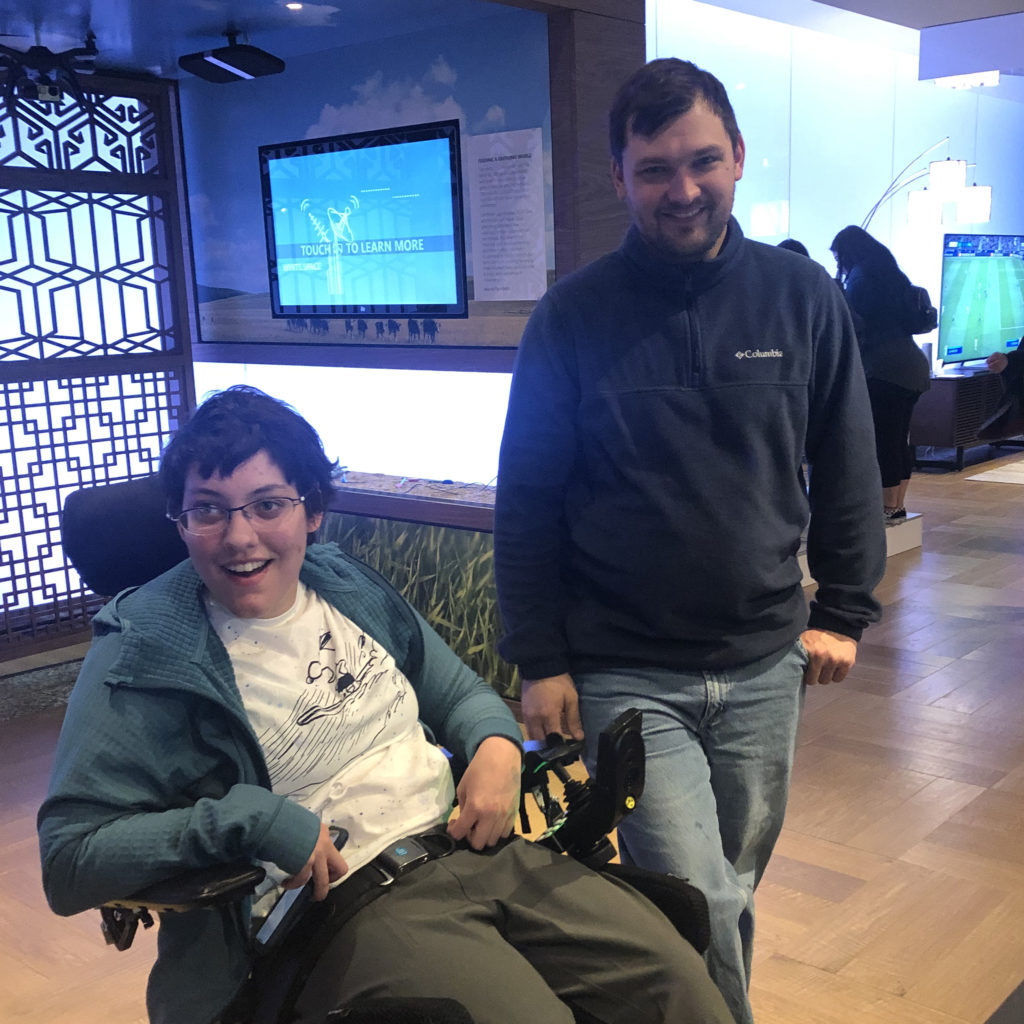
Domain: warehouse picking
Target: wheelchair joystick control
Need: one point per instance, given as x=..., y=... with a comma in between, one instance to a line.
x=592, y=807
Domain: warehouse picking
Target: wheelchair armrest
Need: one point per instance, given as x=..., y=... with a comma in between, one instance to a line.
x=192, y=890
x=682, y=903
x=189, y=890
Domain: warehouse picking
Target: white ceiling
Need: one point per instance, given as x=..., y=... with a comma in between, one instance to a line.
x=950, y=37
x=927, y=13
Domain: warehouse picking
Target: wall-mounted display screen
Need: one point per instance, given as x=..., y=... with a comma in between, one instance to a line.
x=982, y=302
x=366, y=224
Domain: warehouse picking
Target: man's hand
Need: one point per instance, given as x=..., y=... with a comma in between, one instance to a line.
x=832, y=656
x=997, y=362
x=325, y=865
x=488, y=794
x=551, y=705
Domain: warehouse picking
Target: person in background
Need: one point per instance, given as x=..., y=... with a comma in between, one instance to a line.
x=1007, y=421
x=1011, y=366
x=897, y=371
x=266, y=689
x=651, y=500
x=794, y=246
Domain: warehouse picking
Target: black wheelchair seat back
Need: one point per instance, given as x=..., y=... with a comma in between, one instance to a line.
x=117, y=535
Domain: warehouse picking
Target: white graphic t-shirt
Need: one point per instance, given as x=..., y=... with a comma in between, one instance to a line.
x=338, y=723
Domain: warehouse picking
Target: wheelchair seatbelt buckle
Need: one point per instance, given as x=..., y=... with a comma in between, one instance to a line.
x=401, y=857
x=405, y=854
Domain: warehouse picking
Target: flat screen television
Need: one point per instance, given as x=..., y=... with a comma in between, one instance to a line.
x=981, y=306
x=366, y=224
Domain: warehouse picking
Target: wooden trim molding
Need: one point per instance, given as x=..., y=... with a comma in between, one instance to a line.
x=411, y=508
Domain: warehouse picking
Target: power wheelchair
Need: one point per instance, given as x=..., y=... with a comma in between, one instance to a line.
x=116, y=536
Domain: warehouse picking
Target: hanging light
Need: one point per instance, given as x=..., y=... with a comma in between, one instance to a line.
x=974, y=205
x=946, y=198
x=947, y=177
x=902, y=180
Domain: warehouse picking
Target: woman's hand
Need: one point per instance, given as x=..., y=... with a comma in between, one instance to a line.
x=325, y=865
x=488, y=794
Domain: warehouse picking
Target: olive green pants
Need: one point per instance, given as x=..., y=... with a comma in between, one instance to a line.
x=519, y=935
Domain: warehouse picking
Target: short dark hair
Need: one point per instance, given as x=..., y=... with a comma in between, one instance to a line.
x=793, y=245
x=229, y=428
x=658, y=93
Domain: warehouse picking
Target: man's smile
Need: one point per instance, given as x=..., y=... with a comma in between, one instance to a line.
x=684, y=215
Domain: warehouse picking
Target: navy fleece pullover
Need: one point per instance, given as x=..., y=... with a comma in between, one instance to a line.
x=651, y=495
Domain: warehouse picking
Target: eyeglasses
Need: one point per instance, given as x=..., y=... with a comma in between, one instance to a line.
x=203, y=520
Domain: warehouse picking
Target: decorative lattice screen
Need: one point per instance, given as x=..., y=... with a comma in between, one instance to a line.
x=84, y=274
x=58, y=436
x=94, y=350
x=112, y=134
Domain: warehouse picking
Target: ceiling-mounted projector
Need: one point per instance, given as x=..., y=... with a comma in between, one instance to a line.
x=232, y=63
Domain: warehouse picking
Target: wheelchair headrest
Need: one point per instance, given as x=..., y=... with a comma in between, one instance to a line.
x=117, y=536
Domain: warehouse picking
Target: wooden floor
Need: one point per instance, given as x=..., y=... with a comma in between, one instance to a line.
x=896, y=895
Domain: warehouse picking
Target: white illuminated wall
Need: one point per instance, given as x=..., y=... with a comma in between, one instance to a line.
x=831, y=110
x=830, y=114
x=423, y=424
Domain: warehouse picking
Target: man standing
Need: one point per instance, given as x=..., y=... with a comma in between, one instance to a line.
x=651, y=500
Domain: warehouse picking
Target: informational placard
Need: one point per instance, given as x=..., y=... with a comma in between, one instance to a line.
x=507, y=215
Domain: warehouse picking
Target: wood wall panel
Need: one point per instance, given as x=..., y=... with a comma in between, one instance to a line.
x=589, y=57
x=624, y=10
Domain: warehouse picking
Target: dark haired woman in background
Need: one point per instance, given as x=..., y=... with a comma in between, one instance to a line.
x=897, y=370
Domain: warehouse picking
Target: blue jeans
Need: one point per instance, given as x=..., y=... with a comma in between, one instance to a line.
x=719, y=756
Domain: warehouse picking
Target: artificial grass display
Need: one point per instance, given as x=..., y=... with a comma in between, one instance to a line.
x=448, y=576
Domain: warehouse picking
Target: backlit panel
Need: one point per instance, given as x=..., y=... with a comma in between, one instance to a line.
x=94, y=356
x=112, y=133
x=56, y=437
x=82, y=274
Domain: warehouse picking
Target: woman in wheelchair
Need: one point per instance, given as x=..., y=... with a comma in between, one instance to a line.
x=266, y=696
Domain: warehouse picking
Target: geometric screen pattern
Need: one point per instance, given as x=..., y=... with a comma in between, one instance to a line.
x=113, y=133
x=83, y=274
x=88, y=275
x=57, y=436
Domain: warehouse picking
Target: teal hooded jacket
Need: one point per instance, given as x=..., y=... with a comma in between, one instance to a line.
x=158, y=770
